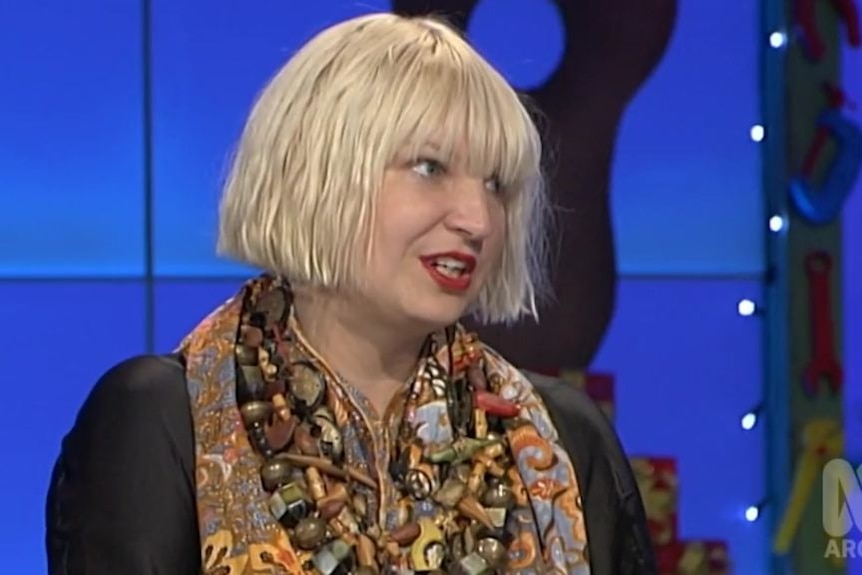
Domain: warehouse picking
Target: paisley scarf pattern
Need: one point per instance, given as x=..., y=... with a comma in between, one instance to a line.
x=239, y=534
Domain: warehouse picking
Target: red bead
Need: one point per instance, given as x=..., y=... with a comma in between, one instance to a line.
x=493, y=404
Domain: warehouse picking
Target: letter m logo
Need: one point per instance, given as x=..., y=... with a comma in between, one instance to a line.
x=842, y=498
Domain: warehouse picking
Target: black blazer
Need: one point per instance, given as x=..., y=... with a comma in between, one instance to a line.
x=122, y=495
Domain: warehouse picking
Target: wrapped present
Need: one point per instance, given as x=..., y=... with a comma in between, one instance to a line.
x=598, y=386
x=691, y=557
x=659, y=486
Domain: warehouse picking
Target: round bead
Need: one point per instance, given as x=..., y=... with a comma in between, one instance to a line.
x=250, y=384
x=309, y=533
x=275, y=473
x=418, y=483
x=246, y=356
x=330, y=443
x=274, y=305
x=251, y=336
x=257, y=435
x=255, y=412
x=499, y=495
x=492, y=550
x=307, y=386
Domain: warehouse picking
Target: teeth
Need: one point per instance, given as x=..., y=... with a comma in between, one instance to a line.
x=450, y=263
x=450, y=267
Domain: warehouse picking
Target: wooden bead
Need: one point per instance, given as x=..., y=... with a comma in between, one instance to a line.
x=306, y=443
x=280, y=433
x=331, y=508
x=471, y=509
x=251, y=336
x=346, y=518
x=480, y=423
x=282, y=409
x=493, y=404
x=477, y=477
x=366, y=552
x=338, y=492
x=406, y=534
x=316, y=487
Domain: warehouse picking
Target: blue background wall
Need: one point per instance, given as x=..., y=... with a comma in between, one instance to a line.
x=74, y=266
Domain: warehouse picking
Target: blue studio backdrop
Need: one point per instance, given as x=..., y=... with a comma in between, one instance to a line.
x=104, y=248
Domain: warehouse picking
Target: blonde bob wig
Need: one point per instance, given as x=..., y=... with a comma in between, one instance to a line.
x=300, y=196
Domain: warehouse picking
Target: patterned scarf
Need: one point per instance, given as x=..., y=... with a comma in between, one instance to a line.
x=240, y=534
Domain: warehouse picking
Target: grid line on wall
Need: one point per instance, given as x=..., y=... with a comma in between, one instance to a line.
x=149, y=199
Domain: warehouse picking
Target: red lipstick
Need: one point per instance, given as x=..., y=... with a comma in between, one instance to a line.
x=458, y=273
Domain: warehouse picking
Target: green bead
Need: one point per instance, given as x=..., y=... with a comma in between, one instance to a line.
x=462, y=450
x=290, y=505
x=333, y=559
x=472, y=564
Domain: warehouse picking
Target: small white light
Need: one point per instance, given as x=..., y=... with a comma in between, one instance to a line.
x=752, y=513
x=777, y=39
x=749, y=420
x=757, y=133
x=776, y=223
x=746, y=307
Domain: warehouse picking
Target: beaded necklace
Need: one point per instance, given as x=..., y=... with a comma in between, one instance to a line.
x=455, y=496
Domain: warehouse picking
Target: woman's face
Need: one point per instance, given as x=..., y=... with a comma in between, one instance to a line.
x=437, y=238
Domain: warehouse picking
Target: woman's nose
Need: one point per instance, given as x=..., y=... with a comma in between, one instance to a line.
x=470, y=215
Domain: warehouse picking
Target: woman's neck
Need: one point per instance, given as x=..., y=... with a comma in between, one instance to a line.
x=370, y=355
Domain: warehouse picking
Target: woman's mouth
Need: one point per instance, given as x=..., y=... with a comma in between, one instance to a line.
x=453, y=271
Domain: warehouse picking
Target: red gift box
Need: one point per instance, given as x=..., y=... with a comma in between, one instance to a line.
x=693, y=557
x=658, y=482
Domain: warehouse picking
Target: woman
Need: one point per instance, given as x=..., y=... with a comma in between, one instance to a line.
x=334, y=417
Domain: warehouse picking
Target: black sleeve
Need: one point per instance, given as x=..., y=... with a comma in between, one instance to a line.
x=121, y=498
x=619, y=542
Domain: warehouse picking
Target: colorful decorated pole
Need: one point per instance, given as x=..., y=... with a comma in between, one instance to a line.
x=811, y=165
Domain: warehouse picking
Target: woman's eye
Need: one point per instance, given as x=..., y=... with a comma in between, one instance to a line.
x=428, y=168
x=493, y=185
